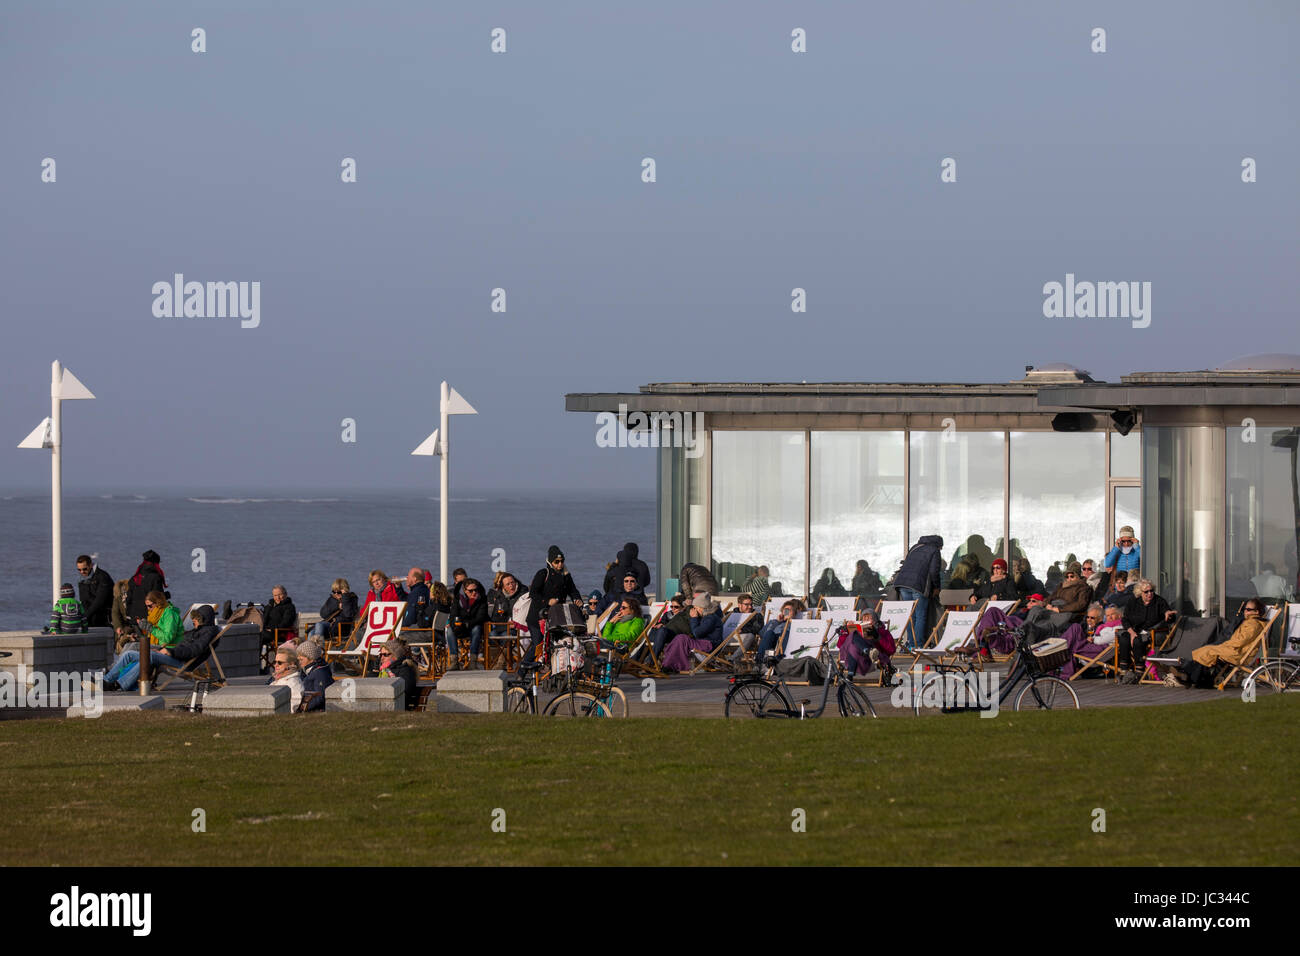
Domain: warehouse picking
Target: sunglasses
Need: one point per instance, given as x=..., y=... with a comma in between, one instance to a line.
x=336, y=591
x=1252, y=610
x=280, y=663
x=1148, y=591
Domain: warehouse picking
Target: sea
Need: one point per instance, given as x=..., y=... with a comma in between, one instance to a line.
x=237, y=547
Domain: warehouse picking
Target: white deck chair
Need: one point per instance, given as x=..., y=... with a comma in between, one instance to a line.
x=772, y=607
x=1291, y=636
x=383, y=620
x=897, y=616
x=805, y=637
x=959, y=634
x=733, y=622
x=839, y=606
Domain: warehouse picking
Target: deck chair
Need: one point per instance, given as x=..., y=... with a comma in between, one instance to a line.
x=383, y=620
x=206, y=666
x=1106, y=659
x=1252, y=654
x=713, y=659
x=897, y=616
x=640, y=657
x=802, y=638
x=422, y=643
x=772, y=607
x=1006, y=607
x=1192, y=632
x=840, y=606
x=956, y=599
x=958, y=635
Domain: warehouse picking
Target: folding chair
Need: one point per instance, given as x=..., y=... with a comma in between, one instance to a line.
x=958, y=635
x=634, y=658
x=1254, y=653
x=383, y=620
x=803, y=638
x=1106, y=659
x=838, y=608
x=897, y=616
x=202, y=667
x=772, y=607
x=730, y=627
x=1006, y=607
x=1192, y=632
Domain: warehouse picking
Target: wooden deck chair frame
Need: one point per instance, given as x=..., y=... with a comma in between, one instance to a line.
x=1251, y=653
x=713, y=660
x=632, y=661
x=997, y=656
x=785, y=635
x=1106, y=660
x=356, y=658
x=901, y=638
x=1170, y=638
x=201, y=668
x=946, y=647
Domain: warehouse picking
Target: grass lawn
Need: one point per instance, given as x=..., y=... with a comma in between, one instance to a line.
x=1186, y=784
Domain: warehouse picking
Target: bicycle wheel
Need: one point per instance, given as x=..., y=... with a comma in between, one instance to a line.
x=854, y=701
x=616, y=702
x=516, y=701
x=745, y=698
x=1047, y=693
x=575, y=704
x=928, y=692
x=1272, y=678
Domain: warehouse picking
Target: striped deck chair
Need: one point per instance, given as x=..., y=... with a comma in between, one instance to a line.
x=713, y=659
x=897, y=616
x=958, y=635
x=383, y=620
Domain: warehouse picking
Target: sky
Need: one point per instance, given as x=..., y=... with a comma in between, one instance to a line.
x=523, y=170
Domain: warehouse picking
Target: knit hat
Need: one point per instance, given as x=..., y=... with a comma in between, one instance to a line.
x=552, y=553
x=999, y=563
x=703, y=601
x=396, y=648
x=309, y=650
x=1074, y=568
x=67, y=591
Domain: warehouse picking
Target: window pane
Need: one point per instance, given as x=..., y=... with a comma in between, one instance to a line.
x=758, y=507
x=1263, y=525
x=1058, y=500
x=1128, y=510
x=1126, y=455
x=1183, y=498
x=681, y=512
x=857, y=509
x=957, y=493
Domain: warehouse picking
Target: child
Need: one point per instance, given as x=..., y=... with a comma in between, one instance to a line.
x=68, y=616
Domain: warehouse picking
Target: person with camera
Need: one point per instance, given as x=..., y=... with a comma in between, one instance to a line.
x=872, y=645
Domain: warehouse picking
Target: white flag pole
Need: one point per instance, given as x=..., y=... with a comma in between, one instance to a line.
x=442, y=500
x=56, y=476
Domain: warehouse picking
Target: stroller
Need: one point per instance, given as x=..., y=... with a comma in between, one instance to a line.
x=563, y=635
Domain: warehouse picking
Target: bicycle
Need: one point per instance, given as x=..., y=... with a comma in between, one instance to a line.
x=754, y=695
x=1043, y=691
x=591, y=692
x=522, y=688
x=1278, y=676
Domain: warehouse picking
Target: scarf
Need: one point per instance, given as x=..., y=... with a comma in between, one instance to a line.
x=138, y=578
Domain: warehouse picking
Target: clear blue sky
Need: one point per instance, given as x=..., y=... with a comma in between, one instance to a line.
x=522, y=170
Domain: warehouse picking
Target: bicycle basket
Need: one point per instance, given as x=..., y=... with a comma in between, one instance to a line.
x=1051, y=654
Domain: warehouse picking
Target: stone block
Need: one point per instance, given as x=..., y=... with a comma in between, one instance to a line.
x=366, y=693
x=120, y=703
x=471, y=692
x=256, y=701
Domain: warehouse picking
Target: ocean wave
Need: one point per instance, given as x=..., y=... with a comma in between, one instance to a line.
x=260, y=501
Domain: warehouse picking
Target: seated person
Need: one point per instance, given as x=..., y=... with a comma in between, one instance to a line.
x=624, y=626
x=1141, y=616
x=828, y=585
x=593, y=601
x=999, y=586
x=873, y=644
x=1097, y=632
x=866, y=582
x=279, y=618
x=501, y=607
x=997, y=629
x=381, y=589
x=68, y=615
x=967, y=575
x=1073, y=594
x=771, y=631
x=746, y=633
x=417, y=612
x=339, y=612
x=316, y=676
x=706, y=634
x=674, y=621
x=285, y=673
x=757, y=585
x=1119, y=593
x=162, y=629
x=468, y=619
x=628, y=587
x=1023, y=575
x=395, y=661
x=1198, y=671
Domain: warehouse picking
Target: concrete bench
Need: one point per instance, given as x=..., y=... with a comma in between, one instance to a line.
x=256, y=701
x=35, y=651
x=366, y=693
x=472, y=692
x=121, y=703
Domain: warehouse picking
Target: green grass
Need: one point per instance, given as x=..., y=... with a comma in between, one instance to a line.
x=1188, y=784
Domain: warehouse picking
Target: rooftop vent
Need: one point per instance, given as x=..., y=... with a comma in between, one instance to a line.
x=1268, y=362
x=1055, y=373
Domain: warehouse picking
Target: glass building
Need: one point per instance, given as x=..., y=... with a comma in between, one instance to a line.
x=813, y=480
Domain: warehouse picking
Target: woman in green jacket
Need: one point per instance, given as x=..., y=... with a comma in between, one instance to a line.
x=624, y=627
x=163, y=628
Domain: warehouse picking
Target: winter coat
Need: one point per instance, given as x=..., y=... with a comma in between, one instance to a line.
x=623, y=632
x=279, y=617
x=404, y=671
x=627, y=560
x=467, y=617
x=1143, y=617
x=1233, y=649
x=694, y=578
x=167, y=632
x=1117, y=559
x=316, y=677
x=1072, y=596
x=1004, y=590
x=67, y=617
x=389, y=593
x=866, y=584
x=417, y=607
x=195, y=643
x=708, y=627
x=118, y=615
x=501, y=606
x=97, y=597
x=148, y=577
x=922, y=566
x=614, y=597
x=549, y=583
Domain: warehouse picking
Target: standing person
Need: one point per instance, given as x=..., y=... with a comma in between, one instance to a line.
x=96, y=589
x=551, y=585
x=1127, y=553
x=148, y=577
x=693, y=578
x=68, y=616
x=632, y=562
x=918, y=578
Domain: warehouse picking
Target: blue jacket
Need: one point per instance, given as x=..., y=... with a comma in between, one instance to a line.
x=708, y=628
x=417, y=607
x=1127, y=562
x=920, y=569
x=316, y=677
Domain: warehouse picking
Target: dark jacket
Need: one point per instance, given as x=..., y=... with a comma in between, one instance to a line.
x=347, y=609
x=279, y=617
x=501, y=605
x=867, y=584
x=1027, y=584
x=694, y=578
x=418, y=611
x=97, y=597
x=614, y=597
x=464, y=619
x=194, y=644
x=680, y=623
x=827, y=587
x=549, y=583
x=1004, y=590
x=404, y=671
x=148, y=577
x=708, y=628
x=921, y=567
x=628, y=560
x=316, y=677
x=1142, y=616
x=1072, y=596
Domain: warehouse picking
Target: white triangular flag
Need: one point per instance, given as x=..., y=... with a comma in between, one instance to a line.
x=39, y=438
x=429, y=446
x=72, y=387
x=456, y=404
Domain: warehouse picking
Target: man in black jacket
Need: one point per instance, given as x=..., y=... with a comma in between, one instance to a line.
x=918, y=578
x=630, y=589
x=628, y=560
x=194, y=645
x=96, y=590
x=417, y=600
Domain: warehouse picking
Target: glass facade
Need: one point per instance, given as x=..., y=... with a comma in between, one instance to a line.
x=683, y=516
x=957, y=485
x=1183, y=500
x=857, y=509
x=1058, y=500
x=758, y=507
x=1263, y=489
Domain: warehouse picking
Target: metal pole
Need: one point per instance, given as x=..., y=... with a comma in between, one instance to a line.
x=442, y=501
x=56, y=478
